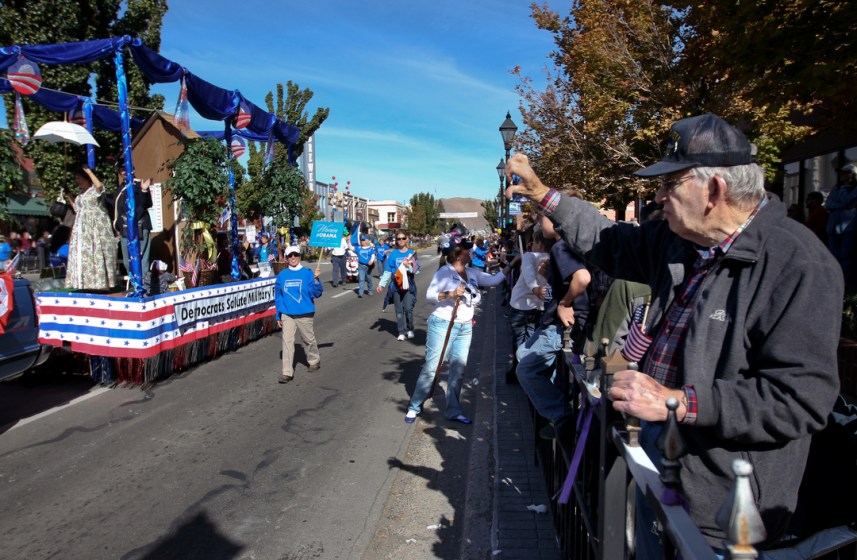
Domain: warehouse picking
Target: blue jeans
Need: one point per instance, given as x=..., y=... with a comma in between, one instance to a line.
x=523, y=324
x=379, y=267
x=536, y=359
x=364, y=278
x=456, y=351
x=842, y=245
x=404, y=303
x=340, y=276
x=145, y=246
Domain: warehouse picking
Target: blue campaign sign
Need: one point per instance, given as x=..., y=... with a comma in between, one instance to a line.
x=514, y=208
x=326, y=234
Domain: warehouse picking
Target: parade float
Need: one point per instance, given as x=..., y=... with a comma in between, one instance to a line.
x=134, y=337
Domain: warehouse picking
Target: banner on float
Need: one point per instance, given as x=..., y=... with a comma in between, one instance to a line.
x=326, y=234
x=448, y=215
x=214, y=307
x=101, y=325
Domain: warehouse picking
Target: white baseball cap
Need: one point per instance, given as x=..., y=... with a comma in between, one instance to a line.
x=293, y=249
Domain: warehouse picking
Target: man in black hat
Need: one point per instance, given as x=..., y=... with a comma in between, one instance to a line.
x=745, y=318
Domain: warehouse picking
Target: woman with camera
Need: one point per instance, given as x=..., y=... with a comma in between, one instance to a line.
x=455, y=288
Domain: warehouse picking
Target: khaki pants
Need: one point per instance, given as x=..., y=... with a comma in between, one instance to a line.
x=304, y=326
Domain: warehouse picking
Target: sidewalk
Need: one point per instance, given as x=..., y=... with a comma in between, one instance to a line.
x=518, y=533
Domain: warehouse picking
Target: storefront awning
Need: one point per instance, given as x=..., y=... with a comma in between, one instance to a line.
x=23, y=205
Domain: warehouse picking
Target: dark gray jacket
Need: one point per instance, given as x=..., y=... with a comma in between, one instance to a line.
x=760, y=349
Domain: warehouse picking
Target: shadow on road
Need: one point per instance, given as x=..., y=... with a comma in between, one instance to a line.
x=197, y=538
x=57, y=382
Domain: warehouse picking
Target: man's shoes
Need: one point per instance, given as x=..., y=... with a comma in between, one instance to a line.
x=410, y=334
x=285, y=378
x=401, y=337
x=462, y=418
x=360, y=296
x=314, y=367
x=410, y=416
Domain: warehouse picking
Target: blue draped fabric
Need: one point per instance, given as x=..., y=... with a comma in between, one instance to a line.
x=90, y=149
x=243, y=133
x=261, y=121
x=103, y=117
x=135, y=272
x=235, y=271
x=155, y=67
x=62, y=53
x=211, y=102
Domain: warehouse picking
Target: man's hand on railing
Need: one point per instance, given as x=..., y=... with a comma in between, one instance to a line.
x=637, y=394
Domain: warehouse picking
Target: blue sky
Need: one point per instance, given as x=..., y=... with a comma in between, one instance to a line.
x=416, y=90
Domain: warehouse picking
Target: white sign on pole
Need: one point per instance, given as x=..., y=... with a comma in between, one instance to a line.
x=250, y=233
x=156, y=212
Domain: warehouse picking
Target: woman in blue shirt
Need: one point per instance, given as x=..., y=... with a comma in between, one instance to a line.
x=399, y=272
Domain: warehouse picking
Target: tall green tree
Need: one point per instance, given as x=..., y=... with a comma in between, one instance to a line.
x=491, y=212
x=289, y=106
x=11, y=173
x=34, y=22
x=423, y=214
x=310, y=210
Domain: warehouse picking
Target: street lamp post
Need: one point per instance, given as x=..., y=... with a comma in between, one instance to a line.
x=501, y=172
x=507, y=131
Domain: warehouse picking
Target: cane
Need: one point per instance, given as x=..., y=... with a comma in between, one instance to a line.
x=443, y=350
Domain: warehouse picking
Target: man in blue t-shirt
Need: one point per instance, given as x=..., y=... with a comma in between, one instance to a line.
x=295, y=292
x=365, y=259
x=566, y=306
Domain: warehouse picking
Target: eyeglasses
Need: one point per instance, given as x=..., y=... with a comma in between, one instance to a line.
x=292, y=255
x=401, y=239
x=672, y=184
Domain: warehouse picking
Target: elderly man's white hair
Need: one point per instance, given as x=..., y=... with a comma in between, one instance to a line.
x=746, y=182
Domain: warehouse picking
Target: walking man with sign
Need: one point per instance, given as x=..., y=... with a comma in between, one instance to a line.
x=295, y=292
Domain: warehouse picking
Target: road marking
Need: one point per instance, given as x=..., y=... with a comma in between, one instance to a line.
x=343, y=294
x=80, y=399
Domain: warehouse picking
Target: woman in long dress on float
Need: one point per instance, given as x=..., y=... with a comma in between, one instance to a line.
x=92, y=250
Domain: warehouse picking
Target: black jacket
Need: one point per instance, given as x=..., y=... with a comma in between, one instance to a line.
x=142, y=202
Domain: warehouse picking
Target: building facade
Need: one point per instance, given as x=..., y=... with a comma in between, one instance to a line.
x=390, y=214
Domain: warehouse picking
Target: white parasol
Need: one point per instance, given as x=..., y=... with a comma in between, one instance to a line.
x=59, y=131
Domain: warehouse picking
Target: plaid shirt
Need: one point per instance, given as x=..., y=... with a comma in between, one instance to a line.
x=663, y=362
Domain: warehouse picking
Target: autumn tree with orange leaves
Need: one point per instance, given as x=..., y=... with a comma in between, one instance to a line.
x=625, y=70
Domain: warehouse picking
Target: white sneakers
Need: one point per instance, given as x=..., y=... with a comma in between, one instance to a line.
x=401, y=337
x=410, y=334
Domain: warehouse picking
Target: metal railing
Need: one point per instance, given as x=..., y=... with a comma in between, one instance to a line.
x=597, y=522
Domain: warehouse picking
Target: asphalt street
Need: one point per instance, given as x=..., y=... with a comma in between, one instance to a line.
x=222, y=462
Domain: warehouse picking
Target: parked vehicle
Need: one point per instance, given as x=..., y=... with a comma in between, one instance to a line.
x=19, y=344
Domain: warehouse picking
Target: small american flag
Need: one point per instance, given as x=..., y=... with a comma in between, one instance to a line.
x=185, y=266
x=637, y=342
